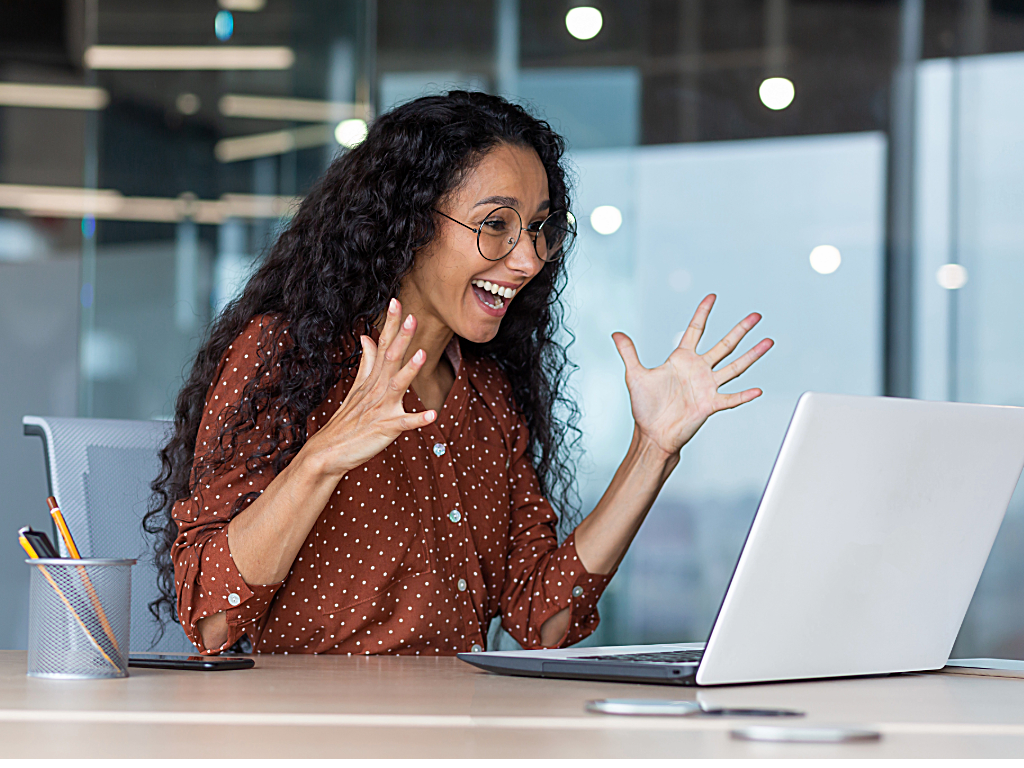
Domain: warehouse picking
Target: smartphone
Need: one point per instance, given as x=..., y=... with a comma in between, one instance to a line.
x=210, y=663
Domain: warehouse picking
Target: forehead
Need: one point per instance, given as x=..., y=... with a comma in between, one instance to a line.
x=509, y=171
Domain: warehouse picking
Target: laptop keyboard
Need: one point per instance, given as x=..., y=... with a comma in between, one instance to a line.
x=660, y=657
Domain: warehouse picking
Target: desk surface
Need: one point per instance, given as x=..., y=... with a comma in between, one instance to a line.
x=324, y=706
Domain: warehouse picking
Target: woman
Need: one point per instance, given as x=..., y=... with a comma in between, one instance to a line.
x=365, y=447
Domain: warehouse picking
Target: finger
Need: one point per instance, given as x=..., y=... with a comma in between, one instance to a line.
x=696, y=328
x=389, y=331
x=415, y=420
x=741, y=364
x=367, y=360
x=725, y=402
x=395, y=353
x=627, y=351
x=724, y=348
x=362, y=373
x=399, y=383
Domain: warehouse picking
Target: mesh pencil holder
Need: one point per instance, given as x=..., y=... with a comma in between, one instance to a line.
x=79, y=613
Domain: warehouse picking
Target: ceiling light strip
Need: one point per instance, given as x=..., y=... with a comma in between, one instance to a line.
x=301, y=110
x=53, y=96
x=143, y=57
x=273, y=143
x=75, y=202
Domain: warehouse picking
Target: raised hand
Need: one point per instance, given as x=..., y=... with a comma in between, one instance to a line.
x=372, y=415
x=671, y=402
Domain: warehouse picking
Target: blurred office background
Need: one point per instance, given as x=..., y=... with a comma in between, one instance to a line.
x=851, y=169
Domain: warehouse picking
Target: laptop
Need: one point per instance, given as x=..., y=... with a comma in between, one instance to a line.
x=862, y=558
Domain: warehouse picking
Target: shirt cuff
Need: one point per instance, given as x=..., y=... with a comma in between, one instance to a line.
x=581, y=591
x=224, y=589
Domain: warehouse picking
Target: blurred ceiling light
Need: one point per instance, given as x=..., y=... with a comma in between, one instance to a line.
x=146, y=57
x=350, y=133
x=825, y=259
x=223, y=25
x=187, y=103
x=303, y=110
x=606, y=219
x=777, y=92
x=273, y=143
x=76, y=202
x=250, y=6
x=952, y=277
x=53, y=96
x=584, y=22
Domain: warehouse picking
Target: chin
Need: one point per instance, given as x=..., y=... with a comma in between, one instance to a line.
x=479, y=335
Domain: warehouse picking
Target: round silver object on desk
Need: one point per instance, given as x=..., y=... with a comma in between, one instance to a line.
x=806, y=734
x=455, y=515
x=462, y=585
x=234, y=599
x=439, y=449
x=643, y=707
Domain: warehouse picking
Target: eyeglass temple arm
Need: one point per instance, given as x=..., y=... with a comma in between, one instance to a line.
x=471, y=229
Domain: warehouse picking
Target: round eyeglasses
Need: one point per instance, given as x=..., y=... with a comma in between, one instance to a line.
x=499, y=233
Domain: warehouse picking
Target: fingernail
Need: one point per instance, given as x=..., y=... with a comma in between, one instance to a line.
x=392, y=306
x=418, y=357
x=408, y=323
x=431, y=415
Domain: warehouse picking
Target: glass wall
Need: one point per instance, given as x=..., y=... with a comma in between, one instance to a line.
x=751, y=148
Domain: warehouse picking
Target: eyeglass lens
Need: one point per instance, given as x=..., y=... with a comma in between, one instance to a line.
x=500, y=231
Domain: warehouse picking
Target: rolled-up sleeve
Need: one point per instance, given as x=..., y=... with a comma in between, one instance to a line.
x=543, y=577
x=206, y=579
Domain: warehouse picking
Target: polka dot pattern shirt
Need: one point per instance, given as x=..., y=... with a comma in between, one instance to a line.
x=418, y=548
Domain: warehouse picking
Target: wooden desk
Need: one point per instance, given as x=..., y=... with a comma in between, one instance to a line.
x=323, y=706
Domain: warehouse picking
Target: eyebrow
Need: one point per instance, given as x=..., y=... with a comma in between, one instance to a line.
x=511, y=202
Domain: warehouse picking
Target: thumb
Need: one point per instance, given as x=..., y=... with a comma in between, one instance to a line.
x=627, y=351
x=367, y=361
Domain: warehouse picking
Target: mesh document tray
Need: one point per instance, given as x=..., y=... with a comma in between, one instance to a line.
x=100, y=470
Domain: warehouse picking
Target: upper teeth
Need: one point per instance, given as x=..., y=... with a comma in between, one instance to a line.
x=497, y=290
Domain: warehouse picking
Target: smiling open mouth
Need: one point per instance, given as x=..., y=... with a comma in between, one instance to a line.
x=493, y=296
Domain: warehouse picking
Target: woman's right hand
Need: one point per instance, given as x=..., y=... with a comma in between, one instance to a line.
x=372, y=415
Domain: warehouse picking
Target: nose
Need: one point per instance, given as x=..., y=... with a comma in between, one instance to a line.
x=523, y=259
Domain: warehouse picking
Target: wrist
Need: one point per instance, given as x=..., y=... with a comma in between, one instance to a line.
x=650, y=454
x=314, y=465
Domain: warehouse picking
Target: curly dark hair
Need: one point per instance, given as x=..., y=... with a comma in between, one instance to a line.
x=334, y=270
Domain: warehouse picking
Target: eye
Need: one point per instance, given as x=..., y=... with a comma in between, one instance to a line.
x=534, y=227
x=495, y=225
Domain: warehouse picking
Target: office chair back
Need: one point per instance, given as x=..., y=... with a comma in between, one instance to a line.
x=100, y=470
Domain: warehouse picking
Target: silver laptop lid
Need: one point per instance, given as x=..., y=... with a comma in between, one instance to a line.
x=869, y=540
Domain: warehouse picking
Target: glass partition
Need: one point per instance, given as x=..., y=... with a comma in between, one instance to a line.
x=770, y=152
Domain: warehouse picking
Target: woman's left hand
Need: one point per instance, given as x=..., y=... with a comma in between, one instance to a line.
x=671, y=402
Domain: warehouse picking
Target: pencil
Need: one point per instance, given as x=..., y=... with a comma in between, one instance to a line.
x=62, y=527
x=32, y=554
x=69, y=542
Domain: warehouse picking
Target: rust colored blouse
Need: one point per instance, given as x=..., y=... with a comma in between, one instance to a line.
x=418, y=548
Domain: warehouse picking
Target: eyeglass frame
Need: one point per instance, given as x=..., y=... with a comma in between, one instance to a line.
x=534, y=232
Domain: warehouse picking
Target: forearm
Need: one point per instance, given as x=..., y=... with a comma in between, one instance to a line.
x=266, y=536
x=606, y=533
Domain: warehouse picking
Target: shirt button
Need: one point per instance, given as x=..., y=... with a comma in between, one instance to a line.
x=234, y=599
x=577, y=591
x=439, y=449
x=455, y=515
x=476, y=648
x=462, y=585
